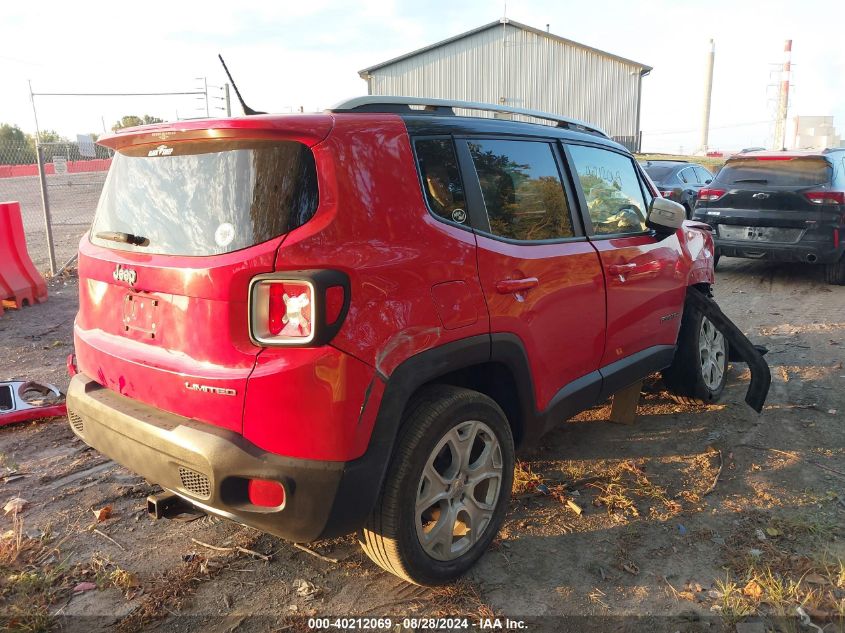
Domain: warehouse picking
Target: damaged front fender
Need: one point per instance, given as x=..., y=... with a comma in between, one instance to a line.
x=761, y=377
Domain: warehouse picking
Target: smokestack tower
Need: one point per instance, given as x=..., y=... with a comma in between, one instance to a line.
x=783, y=98
x=708, y=91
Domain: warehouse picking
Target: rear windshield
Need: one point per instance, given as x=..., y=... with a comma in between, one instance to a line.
x=658, y=173
x=205, y=197
x=794, y=172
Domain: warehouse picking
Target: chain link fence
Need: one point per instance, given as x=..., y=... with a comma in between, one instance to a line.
x=74, y=174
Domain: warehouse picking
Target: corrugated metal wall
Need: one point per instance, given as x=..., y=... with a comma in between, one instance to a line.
x=527, y=69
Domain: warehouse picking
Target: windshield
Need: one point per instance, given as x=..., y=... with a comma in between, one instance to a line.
x=793, y=172
x=205, y=197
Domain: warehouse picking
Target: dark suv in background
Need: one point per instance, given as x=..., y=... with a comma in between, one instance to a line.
x=678, y=180
x=782, y=205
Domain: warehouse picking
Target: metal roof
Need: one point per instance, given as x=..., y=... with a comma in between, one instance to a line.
x=643, y=68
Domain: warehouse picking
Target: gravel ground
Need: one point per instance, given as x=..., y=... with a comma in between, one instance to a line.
x=692, y=507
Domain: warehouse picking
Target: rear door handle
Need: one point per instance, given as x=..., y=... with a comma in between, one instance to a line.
x=621, y=269
x=509, y=286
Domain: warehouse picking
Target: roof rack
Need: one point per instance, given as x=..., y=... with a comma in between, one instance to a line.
x=383, y=103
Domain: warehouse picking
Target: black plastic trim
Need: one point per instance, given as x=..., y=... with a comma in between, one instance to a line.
x=362, y=478
x=630, y=369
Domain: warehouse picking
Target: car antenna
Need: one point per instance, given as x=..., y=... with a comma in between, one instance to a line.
x=247, y=110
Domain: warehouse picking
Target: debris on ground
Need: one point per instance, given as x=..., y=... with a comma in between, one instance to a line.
x=24, y=400
x=15, y=505
x=306, y=590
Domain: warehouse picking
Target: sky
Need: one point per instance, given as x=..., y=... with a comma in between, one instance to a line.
x=286, y=55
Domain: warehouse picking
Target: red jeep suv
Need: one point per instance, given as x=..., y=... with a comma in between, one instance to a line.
x=347, y=321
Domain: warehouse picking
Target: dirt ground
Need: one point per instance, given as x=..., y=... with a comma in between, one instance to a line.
x=693, y=519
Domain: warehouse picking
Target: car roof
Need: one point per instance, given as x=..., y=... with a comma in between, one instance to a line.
x=435, y=124
x=314, y=127
x=786, y=154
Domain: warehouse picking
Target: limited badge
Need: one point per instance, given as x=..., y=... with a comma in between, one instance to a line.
x=224, y=234
x=459, y=216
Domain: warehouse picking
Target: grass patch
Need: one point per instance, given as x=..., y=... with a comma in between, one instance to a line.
x=625, y=486
x=176, y=586
x=713, y=163
x=31, y=581
x=460, y=599
x=785, y=571
x=524, y=479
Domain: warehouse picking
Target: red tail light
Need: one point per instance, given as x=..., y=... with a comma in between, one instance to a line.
x=282, y=311
x=304, y=308
x=266, y=493
x=710, y=194
x=666, y=194
x=826, y=197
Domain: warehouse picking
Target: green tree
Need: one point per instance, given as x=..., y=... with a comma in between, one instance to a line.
x=131, y=120
x=51, y=136
x=11, y=134
x=16, y=146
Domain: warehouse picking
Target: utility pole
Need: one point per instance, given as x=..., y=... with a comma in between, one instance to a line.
x=783, y=98
x=708, y=92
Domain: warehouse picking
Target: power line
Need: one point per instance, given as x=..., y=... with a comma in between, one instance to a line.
x=114, y=94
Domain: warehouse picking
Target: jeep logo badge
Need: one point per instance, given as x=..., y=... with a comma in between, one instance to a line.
x=125, y=274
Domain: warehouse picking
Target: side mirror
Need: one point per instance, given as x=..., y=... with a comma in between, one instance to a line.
x=665, y=216
x=708, y=181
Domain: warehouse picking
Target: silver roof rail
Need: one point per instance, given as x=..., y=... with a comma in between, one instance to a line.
x=383, y=103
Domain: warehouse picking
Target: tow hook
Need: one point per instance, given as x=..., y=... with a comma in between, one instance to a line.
x=166, y=505
x=741, y=348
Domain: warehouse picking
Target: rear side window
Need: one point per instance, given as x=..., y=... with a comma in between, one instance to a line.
x=793, y=172
x=688, y=176
x=207, y=197
x=441, y=178
x=612, y=189
x=522, y=190
x=704, y=176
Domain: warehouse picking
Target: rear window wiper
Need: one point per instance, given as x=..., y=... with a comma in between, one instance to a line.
x=126, y=238
x=762, y=181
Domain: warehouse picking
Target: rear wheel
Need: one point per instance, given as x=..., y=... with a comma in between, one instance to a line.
x=835, y=273
x=446, y=490
x=699, y=370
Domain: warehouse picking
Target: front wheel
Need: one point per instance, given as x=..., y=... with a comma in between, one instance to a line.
x=699, y=370
x=446, y=490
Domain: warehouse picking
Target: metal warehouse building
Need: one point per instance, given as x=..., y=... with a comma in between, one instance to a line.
x=512, y=64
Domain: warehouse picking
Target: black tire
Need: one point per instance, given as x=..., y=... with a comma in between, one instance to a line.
x=390, y=534
x=716, y=259
x=685, y=377
x=688, y=211
x=835, y=273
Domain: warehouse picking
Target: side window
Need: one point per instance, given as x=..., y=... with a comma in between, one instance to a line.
x=611, y=186
x=522, y=190
x=703, y=174
x=441, y=179
x=688, y=176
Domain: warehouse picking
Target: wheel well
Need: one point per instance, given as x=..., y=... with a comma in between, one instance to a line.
x=704, y=288
x=496, y=381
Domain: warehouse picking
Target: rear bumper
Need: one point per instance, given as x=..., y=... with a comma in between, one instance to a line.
x=806, y=252
x=210, y=466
